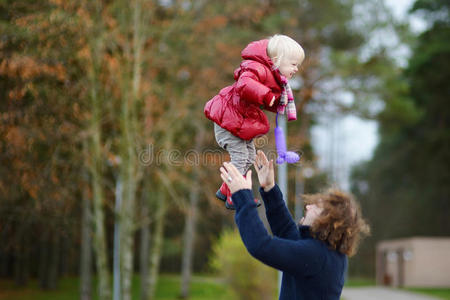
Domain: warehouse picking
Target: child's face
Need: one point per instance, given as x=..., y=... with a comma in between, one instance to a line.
x=288, y=67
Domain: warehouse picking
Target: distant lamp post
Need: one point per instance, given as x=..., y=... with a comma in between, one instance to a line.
x=282, y=180
x=301, y=174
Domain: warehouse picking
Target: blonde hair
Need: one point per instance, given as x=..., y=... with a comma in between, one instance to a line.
x=283, y=47
x=340, y=224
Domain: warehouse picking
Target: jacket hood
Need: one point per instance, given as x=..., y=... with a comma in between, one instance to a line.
x=258, y=51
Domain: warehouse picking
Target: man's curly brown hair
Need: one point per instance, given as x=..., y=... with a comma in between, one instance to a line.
x=340, y=224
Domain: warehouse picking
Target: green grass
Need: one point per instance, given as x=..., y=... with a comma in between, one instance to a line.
x=359, y=282
x=442, y=293
x=202, y=288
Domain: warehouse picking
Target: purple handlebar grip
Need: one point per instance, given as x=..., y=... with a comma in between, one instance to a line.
x=291, y=157
x=280, y=141
x=283, y=155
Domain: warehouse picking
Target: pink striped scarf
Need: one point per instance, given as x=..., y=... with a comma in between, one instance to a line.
x=287, y=103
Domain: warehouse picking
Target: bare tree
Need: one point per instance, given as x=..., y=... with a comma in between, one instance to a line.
x=130, y=21
x=86, y=247
x=156, y=242
x=95, y=158
x=191, y=222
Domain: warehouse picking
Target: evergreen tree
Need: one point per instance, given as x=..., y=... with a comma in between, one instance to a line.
x=405, y=187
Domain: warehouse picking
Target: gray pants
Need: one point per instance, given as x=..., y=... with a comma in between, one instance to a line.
x=242, y=152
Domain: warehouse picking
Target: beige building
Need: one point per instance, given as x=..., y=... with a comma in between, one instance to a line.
x=414, y=262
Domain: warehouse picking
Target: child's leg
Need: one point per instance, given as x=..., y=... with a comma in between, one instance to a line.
x=242, y=155
x=223, y=190
x=251, y=155
x=250, y=160
x=236, y=147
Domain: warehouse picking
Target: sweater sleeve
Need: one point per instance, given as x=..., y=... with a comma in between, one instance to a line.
x=297, y=257
x=278, y=215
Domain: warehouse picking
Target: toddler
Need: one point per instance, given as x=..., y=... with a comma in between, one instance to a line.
x=261, y=82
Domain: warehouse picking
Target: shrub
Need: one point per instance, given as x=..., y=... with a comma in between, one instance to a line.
x=247, y=277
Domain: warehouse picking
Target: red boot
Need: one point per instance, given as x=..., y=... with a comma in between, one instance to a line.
x=222, y=192
x=229, y=204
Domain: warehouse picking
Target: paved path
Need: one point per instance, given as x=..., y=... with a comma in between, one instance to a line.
x=381, y=293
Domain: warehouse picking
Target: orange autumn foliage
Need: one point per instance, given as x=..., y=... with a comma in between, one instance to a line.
x=26, y=68
x=16, y=138
x=213, y=23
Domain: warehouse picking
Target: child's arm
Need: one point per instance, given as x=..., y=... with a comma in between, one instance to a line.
x=251, y=89
x=273, y=107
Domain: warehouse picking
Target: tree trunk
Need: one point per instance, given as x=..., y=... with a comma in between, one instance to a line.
x=189, y=229
x=156, y=244
x=43, y=259
x=127, y=231
x=96, y=158
x=22, y=258
x=131, y=82
x=4, y=255
x=65, y=255
x=26, y=267
x=128, y=173
x=104, y=286
x=55, y=250
x=86, y=250
x=49, y=260
x=189, y=239
x=145, y=241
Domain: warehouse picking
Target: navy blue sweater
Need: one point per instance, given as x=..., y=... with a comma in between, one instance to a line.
x=310, y=269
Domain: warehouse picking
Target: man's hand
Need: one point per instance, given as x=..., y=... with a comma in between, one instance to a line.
x=264, y=169
x=234, y=179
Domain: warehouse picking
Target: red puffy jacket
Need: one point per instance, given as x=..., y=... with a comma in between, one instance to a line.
x=237, y=108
